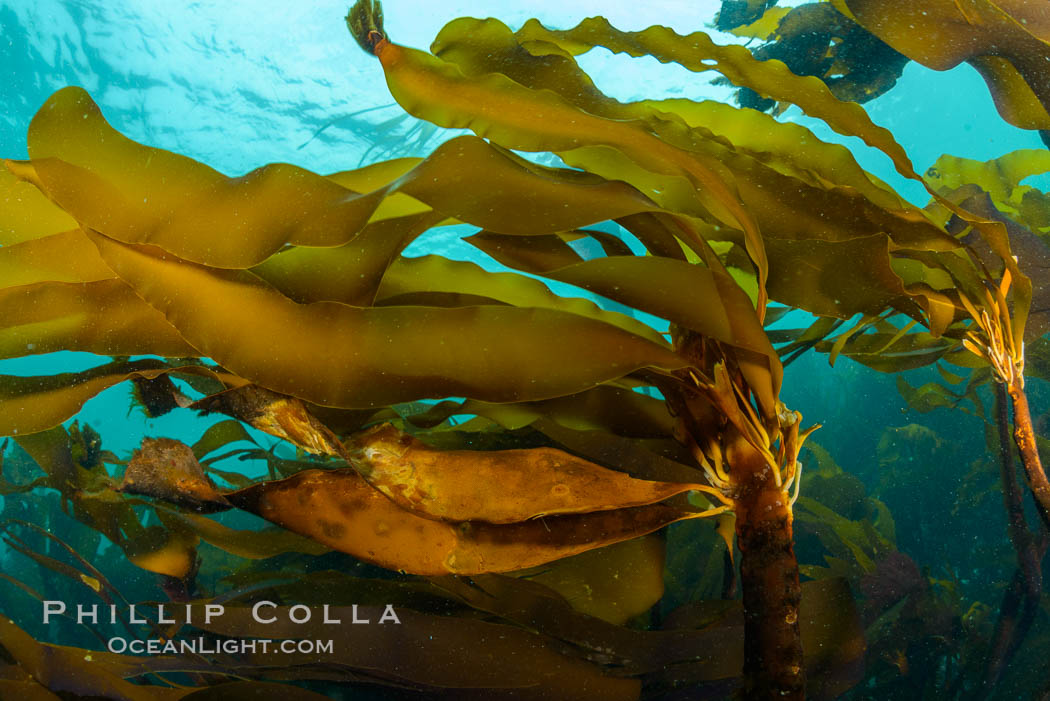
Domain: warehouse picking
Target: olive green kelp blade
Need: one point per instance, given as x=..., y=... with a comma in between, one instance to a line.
x=337, y=355
x=341, y=510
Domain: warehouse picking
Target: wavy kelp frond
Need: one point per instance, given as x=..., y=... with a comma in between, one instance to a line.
x=505, y=486
x=138, y=194
x=1008, y=42
x=770, y=79
x=520, y=118
x=377, y=356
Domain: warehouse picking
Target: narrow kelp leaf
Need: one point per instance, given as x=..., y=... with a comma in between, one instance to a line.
x=435, y=274
x=36, y=403
x=1007, y=41
x=166, y=469
x=104, y=317
x=68, y=256
x=276, y=414
x=26, y=214
x=138, y=194
x=218, y=435
x=616, y=410
x=689, y=295
x=502, y=486
x=341, y=510
x=250, y=544
x=351, y=357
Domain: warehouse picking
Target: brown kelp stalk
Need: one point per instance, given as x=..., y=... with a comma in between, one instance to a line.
x=1021, y=598
x=993, y=340
x=754, y=460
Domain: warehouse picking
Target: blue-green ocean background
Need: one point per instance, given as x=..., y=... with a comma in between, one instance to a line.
x=238, y=84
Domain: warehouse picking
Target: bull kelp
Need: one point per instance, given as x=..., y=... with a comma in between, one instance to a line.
x=568, y=467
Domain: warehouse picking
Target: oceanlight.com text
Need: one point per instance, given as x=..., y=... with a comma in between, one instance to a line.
x=204, y=646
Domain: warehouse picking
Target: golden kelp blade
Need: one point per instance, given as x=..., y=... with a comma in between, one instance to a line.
x=497, y=486
x=138, y=194
x=352, y=357
x=341, y=510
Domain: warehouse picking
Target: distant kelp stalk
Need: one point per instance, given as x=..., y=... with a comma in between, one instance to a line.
x=307, y=322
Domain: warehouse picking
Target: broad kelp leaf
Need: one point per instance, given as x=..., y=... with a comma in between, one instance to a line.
x=893, y=351
x=36, y=403
x=68, y=256
x=166, y=469
x=104, y=317
x=479, y=47
x=1007, y=41
x=354, y=357
x=26, y=214
x=341, y=510
x=138, y=194
x=435, y=274
x=502, y=486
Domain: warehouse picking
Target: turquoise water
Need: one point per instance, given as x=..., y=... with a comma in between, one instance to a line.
x=238, y=85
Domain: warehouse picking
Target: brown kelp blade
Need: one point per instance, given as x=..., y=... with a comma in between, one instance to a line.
x=499, y=486
x=341, y=510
